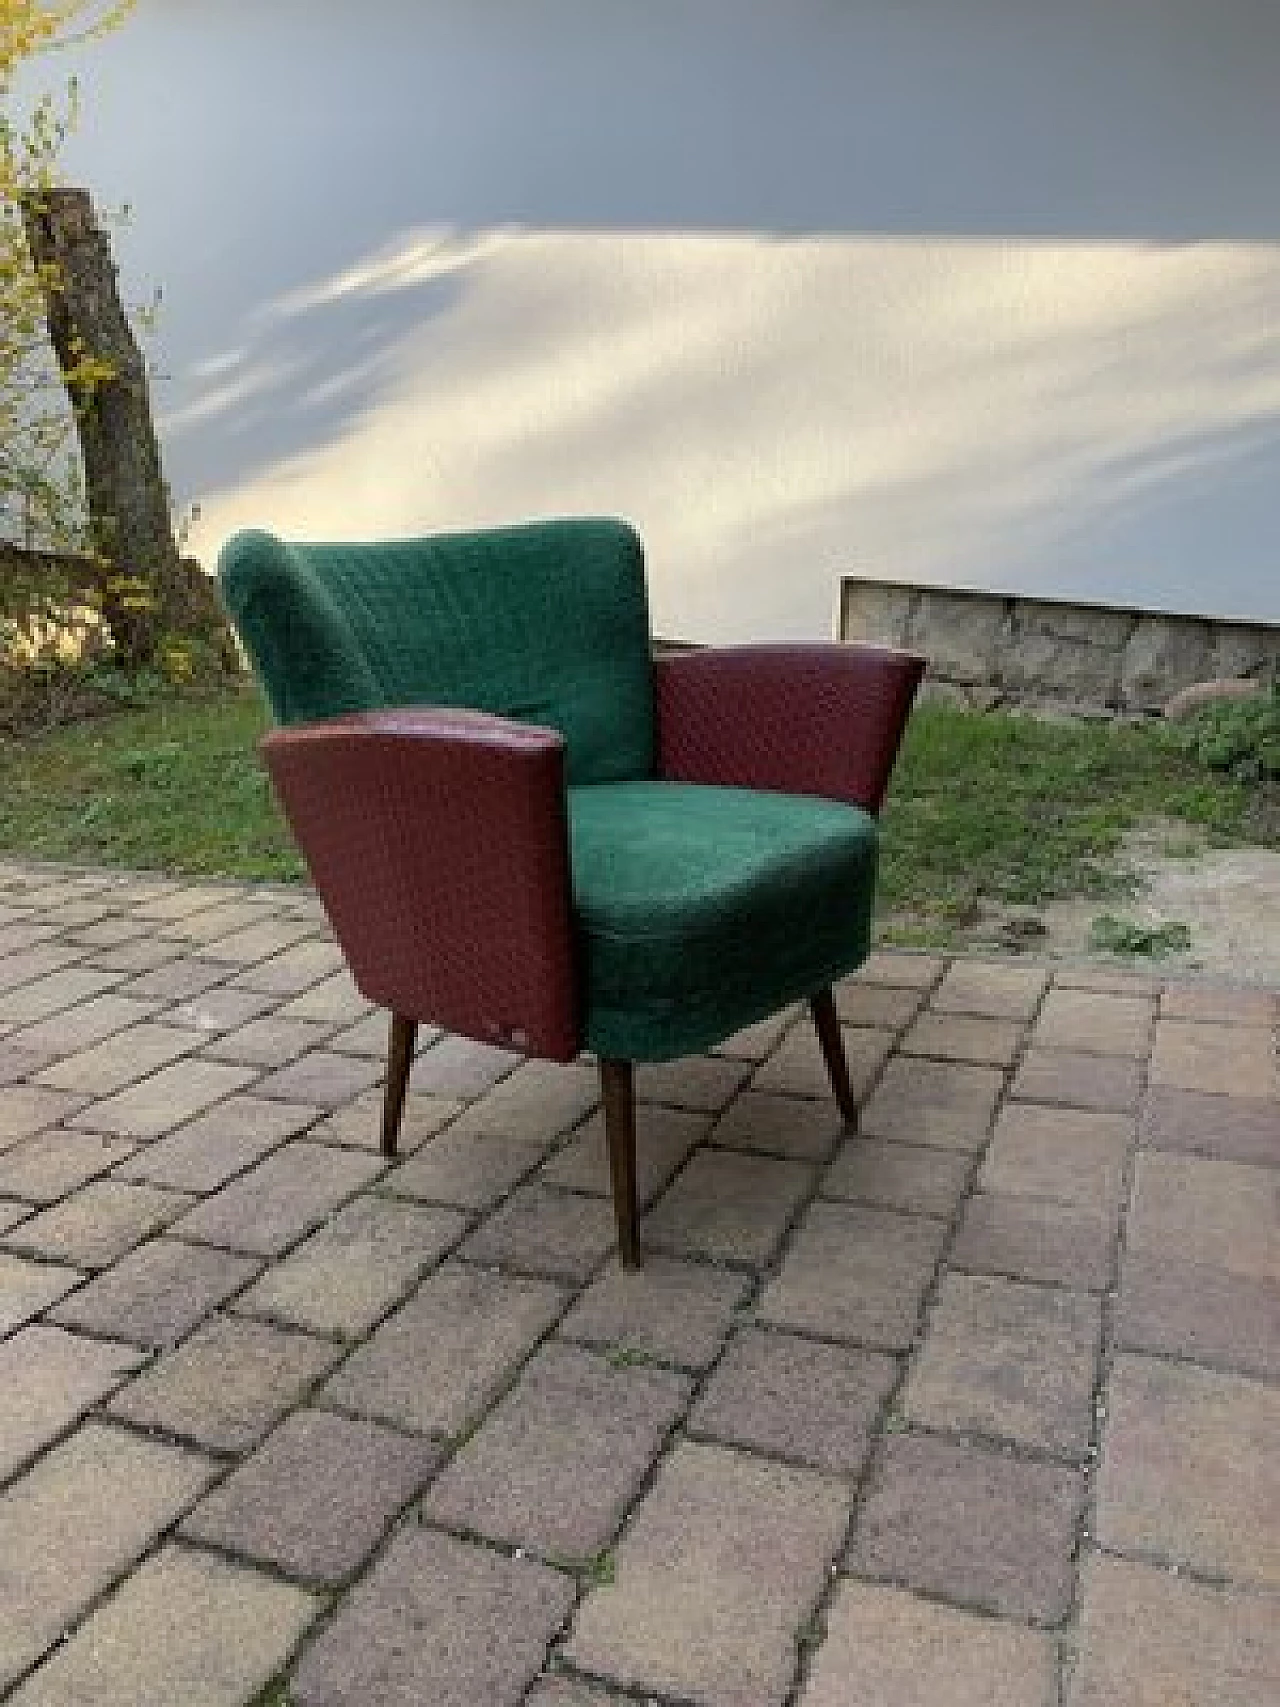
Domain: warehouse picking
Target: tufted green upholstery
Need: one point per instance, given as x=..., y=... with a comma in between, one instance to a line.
x=545, y=622
x=701, y=908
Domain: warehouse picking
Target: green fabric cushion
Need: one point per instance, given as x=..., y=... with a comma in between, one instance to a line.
x=546, y=622
x=700, y=910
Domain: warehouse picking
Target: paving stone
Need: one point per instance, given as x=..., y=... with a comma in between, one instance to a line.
x=990, y=989
x=185, y=1628
x=1242, y=1129
x=437, y=1620
x=1094, y=1022
x=27, y=1288
x=568, y=1692
x=1216, y=1006
x=14, y=937
x=437, y=1362
x=933, y=1102
x=797, y=1067
x=367, y=1036
x=82, y=1514
x=107, y=932
x=18, y=1062
x=334, y=1001
x=321, y=1077
x=169, y=1098
x=906, y=970
x=1072, y=1156
x=25, y=965
x=1215, y=1213
x=1077, y=1080
x=541, y=1231
x=316, y=1497
x=155, y=1296
x=717, y=1569
x=350, y=1272
x=48, y=1380
x=220, y=1010
x=1092, y=975
x=887, y=1647
x=964, y=1037
x=282, y=1197
x=855, y=1274
x=460, y=1067
x=664, y=1139
x=144, y=955
x=219, y=916
x=1151, y=1640
x=802, y=1129
x=25, y=1109
x=464, y=1168
x=120, y=1060
x=1208, y=1314
x=27, y=1003
x=897, y=1176
x=1191, y=1469
x=1226, y=1061
x=970, y=1525
x=11, y=1212
x=679, y=1312
x=297, y=969
x=703, y=1082
x=1010, y=1360
x=219, y=1144
x=88, y=1023
x=268, y=1041
x=556, y=1464
x=257, y=941
x=728, y=1206
x=48, y=1165
x=1054, y=1244
x=359, y=1123
x=537, y=1102
x=876, y=1005
x=98, y=1223
x=226, y=1385
x=754, y=1042
x=815, y=1404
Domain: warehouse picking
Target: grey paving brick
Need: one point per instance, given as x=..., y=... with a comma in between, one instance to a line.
x=991, y=989
x=539, y=1101
x=464, y=1168
x=26, y=1003
x=1005, y=1359
x=268, y=1041
x=905, y=970
x=877, y=1005
x=436, y=1363
x=187, y=1628
x=704, y=1082
x=254, y=942
x=728, y=1206
x=358, y=1124
x=48, y=1165
x=541, y=1231
x=664, y=1139
x=803, y=1129
x=25, y=1109
x=1217, y=1006
x=220, y=1010
x=25, y=965
x=1115, y=981
x=1223, y=1060
x=1193, y=1310
x=156, y=1294
x=144, y=955
x=1053, y=1244
x=169, y=1098
x=947, y=1104
x=1241, y=1129
x=797, y=1068
x=1077, y=1080
x=82, y=1514
x=1095, y=1022
x=437, y=1620
x=27, y=1288
x=316, y=1497
x=219, y=1144
x=570, y=1692
x=460, y=1067
x=321, y=1076
x=815, y=1404
x=897, y=1176
x=226, y=1385
x=964, y=1037
x=17, y=1062
x=98, y=1223
x=888, y=1647
x=86, y=1024
x=855, y=1274
x=716, y=1571
x=11, y=1212
x=1191, y=1469
x=350, y=1271
x=297, y=969
x=677, y=1311
x=48, y=1380
x=333, y=1001
x=556, y=1464
x=754, y=1042
x=1217, y=1214
x=1071, y=1156
x=970, y=1525
x=284, y=1196
x=223, y=913
x=368, y=1036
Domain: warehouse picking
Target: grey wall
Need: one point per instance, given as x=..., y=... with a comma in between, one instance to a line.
x=984, y=292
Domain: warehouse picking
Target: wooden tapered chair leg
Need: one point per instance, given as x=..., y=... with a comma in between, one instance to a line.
x=827, y=1025
x=404, y=1033
x=617, y=1083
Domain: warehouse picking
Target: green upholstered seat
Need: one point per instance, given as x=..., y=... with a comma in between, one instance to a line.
x=699, y=909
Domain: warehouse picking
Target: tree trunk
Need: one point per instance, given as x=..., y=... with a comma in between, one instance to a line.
x=148, y=591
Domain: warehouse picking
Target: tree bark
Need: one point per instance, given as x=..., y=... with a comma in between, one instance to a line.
x=148, y=590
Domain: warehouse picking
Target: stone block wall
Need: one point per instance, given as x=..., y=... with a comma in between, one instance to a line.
x=990, y=649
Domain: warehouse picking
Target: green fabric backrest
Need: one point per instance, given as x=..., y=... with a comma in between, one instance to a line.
x=546, y=622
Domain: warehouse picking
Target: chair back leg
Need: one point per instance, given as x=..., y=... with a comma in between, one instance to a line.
x=827, y=1025
x=399, y=1060
x=617, y=1084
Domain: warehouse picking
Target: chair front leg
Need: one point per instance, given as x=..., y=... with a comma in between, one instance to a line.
x=827, y=1024
x=404, y=1032
x=617, y=1084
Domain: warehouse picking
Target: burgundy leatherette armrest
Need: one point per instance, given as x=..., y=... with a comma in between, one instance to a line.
x=439, y=844
x=821, y=720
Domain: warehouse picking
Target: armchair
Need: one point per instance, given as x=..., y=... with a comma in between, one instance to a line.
x=526, y=829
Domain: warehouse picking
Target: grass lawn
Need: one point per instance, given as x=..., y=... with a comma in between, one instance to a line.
x=985, y=808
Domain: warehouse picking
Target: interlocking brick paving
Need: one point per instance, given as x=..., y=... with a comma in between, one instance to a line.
x=930, y=1412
